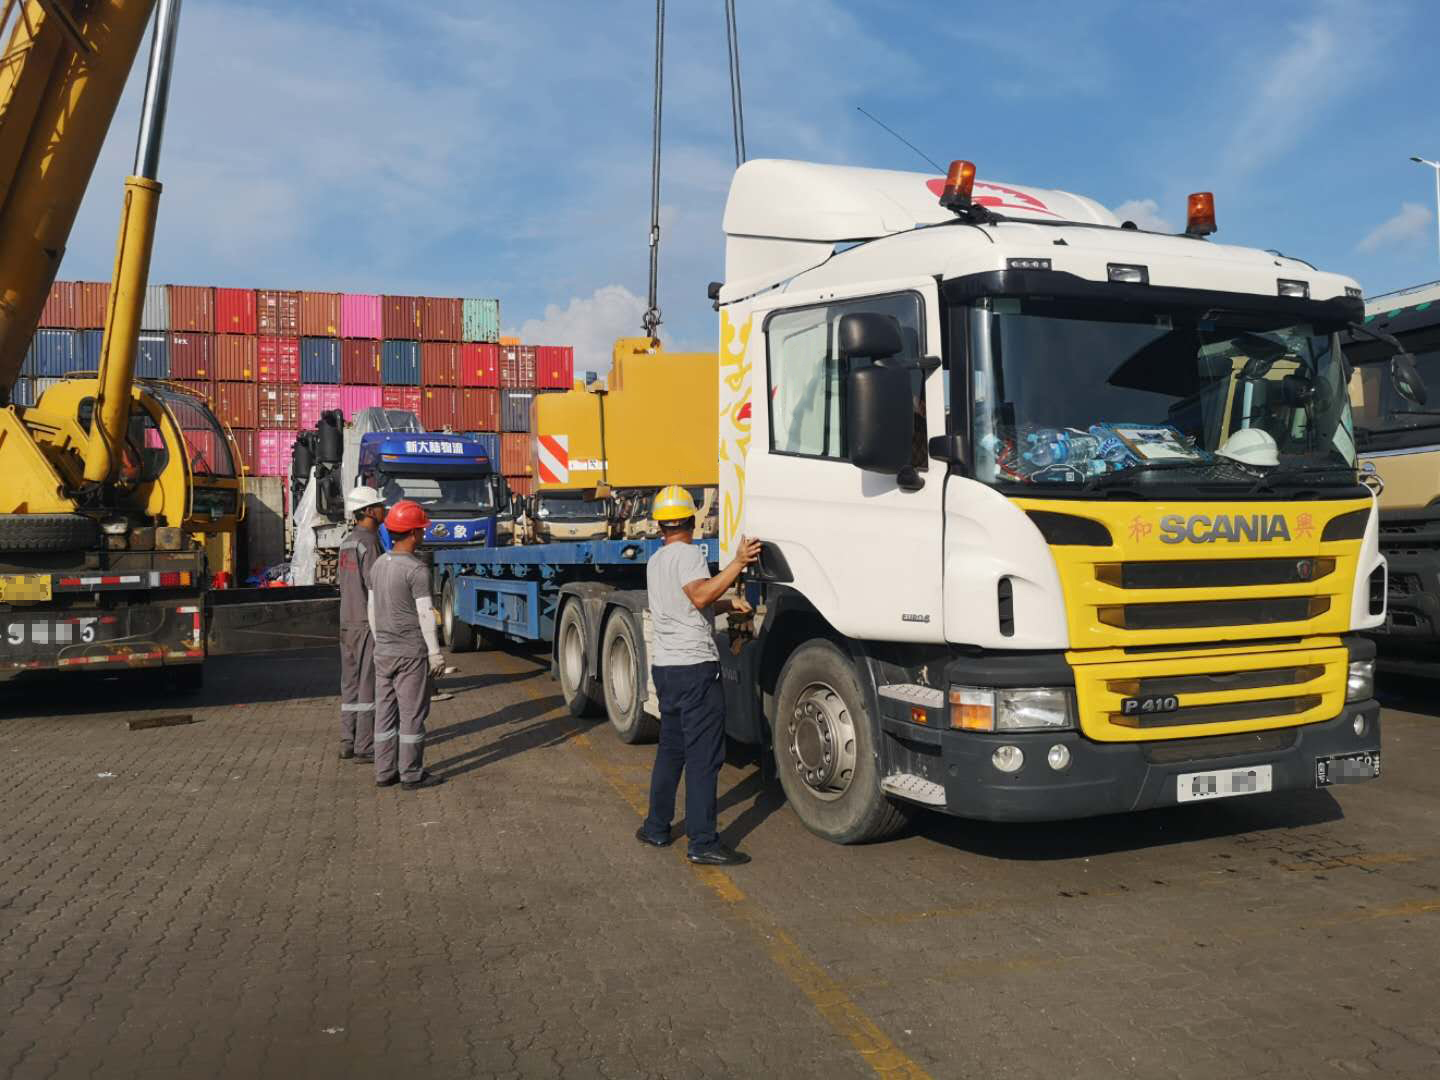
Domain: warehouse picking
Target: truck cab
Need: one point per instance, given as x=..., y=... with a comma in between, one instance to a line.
x=570, y=515
x=451, y=476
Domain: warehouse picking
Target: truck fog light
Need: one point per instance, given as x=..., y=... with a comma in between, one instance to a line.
x=1359, y=724
x=1007, y=759
x=1059, y=757
x=1360, y=682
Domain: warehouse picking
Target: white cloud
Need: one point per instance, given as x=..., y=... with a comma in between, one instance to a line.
x=1408, y=228
x=590, y=324
x=1145, y=213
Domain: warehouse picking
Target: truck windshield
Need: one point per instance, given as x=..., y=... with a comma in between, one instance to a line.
x=453, y=494
x=574, y=508
x=1067, y=395
x=1383, y=419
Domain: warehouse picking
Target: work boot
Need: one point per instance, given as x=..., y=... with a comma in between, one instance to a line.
x=346, y=753
x=362, y=759
x=389, y=781
x=650, y=841
x=427, y=779
x=719, y=855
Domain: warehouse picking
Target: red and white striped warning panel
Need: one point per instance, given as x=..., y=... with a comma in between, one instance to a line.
x=552, y=458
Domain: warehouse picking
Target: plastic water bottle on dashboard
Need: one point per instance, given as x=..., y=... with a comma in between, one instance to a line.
x=1059, y=447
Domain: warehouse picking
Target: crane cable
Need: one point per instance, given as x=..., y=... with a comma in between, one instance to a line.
x=737, y=108
x=651, y=319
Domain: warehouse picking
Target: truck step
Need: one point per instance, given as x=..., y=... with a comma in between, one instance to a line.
x=912, y=787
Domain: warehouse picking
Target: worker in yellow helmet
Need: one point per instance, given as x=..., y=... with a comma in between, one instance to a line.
x=684, y=599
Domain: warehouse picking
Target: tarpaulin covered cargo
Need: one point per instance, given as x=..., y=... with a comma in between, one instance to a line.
x=439, y=361
x=517, y=455
x=554, y=367
x=192, y=356
x=272, y=452
x=155, y=314
x=59, y=310
x=400, y=363
x=401, y=397
x=360, y=361
x=477, y=409
x=320, y=360
x=319, y=314
x=152, y=356
x=515, y=406
x=360, y=316
x=317, y=399
x=277, y=312
x=279, y=406
x=437, y=408
x=479, y=365
x=192, y=308
x=400, y=317
x=517, y=367
x=278, y=360
x=441, y=318
x=88, y=346
x=236, y=403
x=480, y=320
x=235, y=311
x=355, y=398
x=235, y=357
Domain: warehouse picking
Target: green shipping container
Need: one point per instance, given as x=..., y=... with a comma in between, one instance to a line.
x=481, y=320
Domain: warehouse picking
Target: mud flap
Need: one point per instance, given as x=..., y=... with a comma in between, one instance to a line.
x=271, y=620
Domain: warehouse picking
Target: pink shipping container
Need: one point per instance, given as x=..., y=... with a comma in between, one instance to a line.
x=277, y=312
x=272, y=452
x=555, y=367
x=516, y=455
x=401, y=397
x=319, y=314
x=235, y=311
x=235, y=404
x=440, y=319
x=355, y=398
x=279, y=407
x=234, y=357
x=278, y=360
x=192, y=308
x=477, y=410
x=400, y=317
x=360, y=316
x=360, y=361
x=517, y=367
x=314, y=400
x=437, y=408
x=479, y=365
x=438, y=363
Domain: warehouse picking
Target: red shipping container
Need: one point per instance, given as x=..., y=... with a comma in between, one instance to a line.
x=477, y=410
x=273, y=450
x=441, y=319
x=279, y=406
x=235, y=403
x=319, y=314
x=517, y=367
x=400, y=397
x=400, y=317
x=360, y=362
x=235, y=311
x=437, y=408
x=192, y=356
x=245, y=443
x=192, y=307
x=479, y=364
x=439, y=363
x=278, y=360
x=521, y=485
x=517, y=456
x=91, y=300
x=555, y=367
x=204, y=387
x=277, y=312
x=234, y=357
x=59, y=310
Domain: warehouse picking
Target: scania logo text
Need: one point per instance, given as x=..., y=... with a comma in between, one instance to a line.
x=1207, y=529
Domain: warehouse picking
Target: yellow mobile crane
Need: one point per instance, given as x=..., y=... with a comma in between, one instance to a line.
x=106, y=514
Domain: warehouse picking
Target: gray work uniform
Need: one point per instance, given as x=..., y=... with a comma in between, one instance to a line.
x=402, y=666
x=358, y=553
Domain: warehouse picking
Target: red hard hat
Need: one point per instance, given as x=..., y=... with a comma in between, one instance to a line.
x=406, y=516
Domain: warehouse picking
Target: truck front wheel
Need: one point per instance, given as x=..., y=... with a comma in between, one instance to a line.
x=459, y=635
x=824, y=743
x=580, y=689
x=625, y=683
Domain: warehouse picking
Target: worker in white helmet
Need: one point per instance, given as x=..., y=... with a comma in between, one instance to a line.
x=358, y=552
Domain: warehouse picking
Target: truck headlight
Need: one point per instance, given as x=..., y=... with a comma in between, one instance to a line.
x=1032, y=709
x=1360, y=681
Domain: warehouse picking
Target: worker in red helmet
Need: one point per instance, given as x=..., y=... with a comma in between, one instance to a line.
x=407, y=652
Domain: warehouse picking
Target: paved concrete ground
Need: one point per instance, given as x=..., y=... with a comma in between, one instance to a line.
x=229, y=899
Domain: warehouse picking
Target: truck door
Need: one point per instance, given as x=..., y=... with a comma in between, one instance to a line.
x=862, y=550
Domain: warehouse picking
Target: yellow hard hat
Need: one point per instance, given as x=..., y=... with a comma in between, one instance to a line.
x=672, y=503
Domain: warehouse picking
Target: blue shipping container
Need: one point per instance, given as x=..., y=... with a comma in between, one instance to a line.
x=491, y=443
x=320, y=360
x=152, y=357
x=23, y=392
x=52, y=353
x=400, y=363
x=90, y=349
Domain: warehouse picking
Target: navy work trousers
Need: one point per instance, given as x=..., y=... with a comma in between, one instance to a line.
x=692, y=741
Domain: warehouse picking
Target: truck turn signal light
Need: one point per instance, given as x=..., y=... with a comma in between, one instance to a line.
x=1200, y=217
x=959, y=184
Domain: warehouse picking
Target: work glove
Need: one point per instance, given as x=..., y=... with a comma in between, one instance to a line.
x=437, y=664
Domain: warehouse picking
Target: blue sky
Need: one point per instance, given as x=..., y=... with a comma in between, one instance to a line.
x=502, y=148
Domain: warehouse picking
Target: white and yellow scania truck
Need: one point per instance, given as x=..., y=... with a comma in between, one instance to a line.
x=1060, y=517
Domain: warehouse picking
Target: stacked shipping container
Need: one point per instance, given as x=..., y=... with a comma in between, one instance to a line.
x=270, y=361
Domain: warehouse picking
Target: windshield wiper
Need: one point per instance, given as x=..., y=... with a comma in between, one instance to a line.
x=1300, y=476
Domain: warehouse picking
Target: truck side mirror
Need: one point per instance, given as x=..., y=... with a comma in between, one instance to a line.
x=868, y=336
x=880, y=417
x=1405, y=377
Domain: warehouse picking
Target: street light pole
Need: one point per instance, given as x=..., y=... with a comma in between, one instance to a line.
x=1436, y=166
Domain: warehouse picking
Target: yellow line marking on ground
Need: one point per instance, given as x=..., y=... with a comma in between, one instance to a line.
x=829, y=997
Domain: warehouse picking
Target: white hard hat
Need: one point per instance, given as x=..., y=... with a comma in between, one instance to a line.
x=362, y=497
x=1251, y=446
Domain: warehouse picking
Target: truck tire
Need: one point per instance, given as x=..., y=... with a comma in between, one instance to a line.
x=47, y=532
x=459, y=635
x=825, y=751
x=626, y=686
x=580, y=689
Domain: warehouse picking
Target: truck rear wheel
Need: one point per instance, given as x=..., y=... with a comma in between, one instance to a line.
x=824, y=743
x=580, y=689
x=47, y=532
x=459, y=635
x=626, y=686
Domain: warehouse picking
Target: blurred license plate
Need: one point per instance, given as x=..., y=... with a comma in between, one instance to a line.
x=1347, y=768
x=1199, y=786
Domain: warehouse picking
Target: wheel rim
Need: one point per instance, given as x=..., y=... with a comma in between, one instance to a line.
x=572, y=655
x=821, y=739
x=620, y=674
